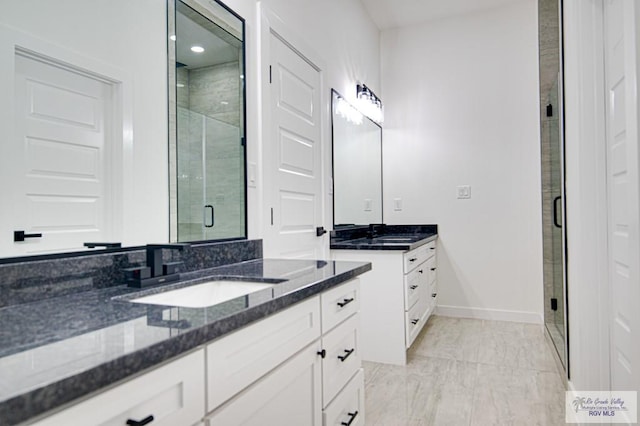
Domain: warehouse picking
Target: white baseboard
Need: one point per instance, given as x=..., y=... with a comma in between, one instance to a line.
x=489, y=314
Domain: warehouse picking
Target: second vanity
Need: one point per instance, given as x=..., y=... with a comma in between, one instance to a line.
x=240, y=361
x=400, y=293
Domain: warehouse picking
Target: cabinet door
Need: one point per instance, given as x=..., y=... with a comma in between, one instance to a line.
x=173, y=394
x=289, y=395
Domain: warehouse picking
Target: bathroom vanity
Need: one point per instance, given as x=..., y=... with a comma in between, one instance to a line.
x=399, y=293
x=109, y=357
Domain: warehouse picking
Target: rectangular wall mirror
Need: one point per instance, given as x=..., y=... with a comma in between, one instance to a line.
x=357, y=166
x=88, y=118
x=207, y=123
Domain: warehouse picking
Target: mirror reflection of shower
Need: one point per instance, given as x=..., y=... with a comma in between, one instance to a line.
x=209, y=126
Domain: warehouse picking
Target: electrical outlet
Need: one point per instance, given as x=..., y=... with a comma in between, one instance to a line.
x=367, y=204
x=397, y=204
x=464, y=192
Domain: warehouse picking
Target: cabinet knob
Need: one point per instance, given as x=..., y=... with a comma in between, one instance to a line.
x=142, y=422
x=322, y=353
x=421, y=271
x=413, y=287
x=434, y=294
x=433, y=269
x=413, y=259
x=432, y=248
x=415, y=321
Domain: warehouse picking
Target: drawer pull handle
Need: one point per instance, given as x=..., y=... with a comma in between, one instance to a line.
x=142, y=422
x=322, y=353
x=434, y=294
x=353, y=416
x=345, y=302
x=433, y=269
x=348, y=352
x=415, y=321
x=413, y=259
x=413, y=287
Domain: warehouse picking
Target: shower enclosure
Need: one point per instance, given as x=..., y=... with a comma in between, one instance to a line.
x=552, y=167
x=210, y=160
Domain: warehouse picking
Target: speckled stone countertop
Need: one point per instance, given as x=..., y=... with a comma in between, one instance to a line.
x=55, y=350
x=389, y=237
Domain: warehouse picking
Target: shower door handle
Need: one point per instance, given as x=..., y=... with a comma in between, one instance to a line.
x=208, y=207
x=555, y=211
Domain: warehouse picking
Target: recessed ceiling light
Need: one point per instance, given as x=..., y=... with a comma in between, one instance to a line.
x=197, y=49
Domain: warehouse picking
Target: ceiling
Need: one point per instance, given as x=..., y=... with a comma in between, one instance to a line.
x=389, y=14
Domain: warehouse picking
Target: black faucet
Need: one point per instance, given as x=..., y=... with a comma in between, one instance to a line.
x=375, y=229
x=154, y=257
x=155, y=272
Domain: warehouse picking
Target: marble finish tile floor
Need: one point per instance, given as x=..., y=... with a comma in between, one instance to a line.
x=469, y=372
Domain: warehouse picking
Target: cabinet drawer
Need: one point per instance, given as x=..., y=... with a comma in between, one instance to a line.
x=348, y=407
x=238, y=359
x=414, y=320
x=415, y=283
x=415, y=257
x=173, y=394
x=289, y=395
x=339, y=303
x=342, y=357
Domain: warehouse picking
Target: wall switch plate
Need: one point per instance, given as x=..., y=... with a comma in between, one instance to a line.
x=397, y=204
x=464, y=192
x=367, y=204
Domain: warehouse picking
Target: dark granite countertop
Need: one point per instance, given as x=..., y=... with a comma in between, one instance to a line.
x=55, y=350
x=389, y=237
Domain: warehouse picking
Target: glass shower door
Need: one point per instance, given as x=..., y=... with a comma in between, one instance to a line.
x=553, y=217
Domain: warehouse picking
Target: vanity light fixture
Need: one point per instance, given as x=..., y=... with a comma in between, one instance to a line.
x=197, y=49
x=369, y=103
x=349, y=113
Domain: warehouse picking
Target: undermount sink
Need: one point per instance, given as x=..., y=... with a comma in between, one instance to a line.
x=203, y=295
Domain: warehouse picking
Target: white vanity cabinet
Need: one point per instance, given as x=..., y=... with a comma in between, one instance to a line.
x=300, y=366
x=287, y=369
x=172, y=394
x=397, y=297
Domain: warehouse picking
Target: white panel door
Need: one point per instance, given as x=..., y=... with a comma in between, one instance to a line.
x=294, y=152
x=58, y=158
x=623, y=192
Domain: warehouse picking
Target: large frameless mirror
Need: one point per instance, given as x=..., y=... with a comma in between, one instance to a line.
x=207, y=123
x=88, y=152
x=357, y=166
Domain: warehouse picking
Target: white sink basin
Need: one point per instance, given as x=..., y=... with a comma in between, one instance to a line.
x=203, y=295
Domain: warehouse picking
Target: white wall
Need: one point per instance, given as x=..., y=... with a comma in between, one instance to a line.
x=103, y=31
x=342, y=35
x=461, y=108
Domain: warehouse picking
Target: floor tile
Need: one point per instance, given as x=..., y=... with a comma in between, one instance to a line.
x=468, y=372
